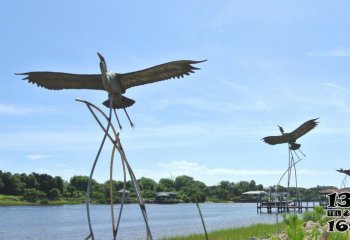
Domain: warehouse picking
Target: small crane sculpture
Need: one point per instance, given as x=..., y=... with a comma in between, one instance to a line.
x=291, y=138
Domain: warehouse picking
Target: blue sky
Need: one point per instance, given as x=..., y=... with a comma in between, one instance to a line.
x=269, y=63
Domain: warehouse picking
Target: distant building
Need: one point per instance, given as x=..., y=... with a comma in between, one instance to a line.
x=323, y=194
x=166, y=197
x=127, y=195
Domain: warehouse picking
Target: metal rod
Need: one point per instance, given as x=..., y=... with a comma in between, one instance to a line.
x=111, y=189
x=122, y=202
x=296, y=176
x=92, y=172
x=136, y=188
x=131, y=124
x=98, y=121
x=116, y=142
x=287, y=171
x=116, y=116
x=116, y=227
x=301, y=152
x=289, y=167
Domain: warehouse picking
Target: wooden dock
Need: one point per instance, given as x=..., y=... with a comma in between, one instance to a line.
x=284, y=206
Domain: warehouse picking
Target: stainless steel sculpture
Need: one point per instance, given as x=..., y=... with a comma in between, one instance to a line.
x=291, y=137
x=115, y=140
x=114, y=83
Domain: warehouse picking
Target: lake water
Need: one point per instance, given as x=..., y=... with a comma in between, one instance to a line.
x=70, y=221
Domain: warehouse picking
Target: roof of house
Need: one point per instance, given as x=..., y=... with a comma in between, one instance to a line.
x=333, y=190
x=255, y=193
x=122, y=190
x=165, y=194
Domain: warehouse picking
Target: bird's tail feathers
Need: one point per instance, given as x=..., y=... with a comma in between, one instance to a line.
x=124, y=102
x=294, y=146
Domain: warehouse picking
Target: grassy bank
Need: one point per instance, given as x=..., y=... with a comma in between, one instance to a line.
x=10, y=200
x=256, y=230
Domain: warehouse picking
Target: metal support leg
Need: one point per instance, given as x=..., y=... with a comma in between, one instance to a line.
x=116, y=116
x=126, y=113
x=116, y=145
x=88, y=191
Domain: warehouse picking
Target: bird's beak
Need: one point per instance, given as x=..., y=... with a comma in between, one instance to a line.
x=102, y=59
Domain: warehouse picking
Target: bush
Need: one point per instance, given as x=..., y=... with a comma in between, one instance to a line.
x=337, y=236
x=33, y=195
x=317, y=215
x=294, y=229
x=54, y=194
x=44, y=201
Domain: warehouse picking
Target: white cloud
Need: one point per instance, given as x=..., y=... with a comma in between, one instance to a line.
x=199, y=103
x=336, y=86
x=340, y=52
x=212, y=176
x=37, y=156
x=34, y=140
x=16, y=110
x=185, y=167
x=256, y=63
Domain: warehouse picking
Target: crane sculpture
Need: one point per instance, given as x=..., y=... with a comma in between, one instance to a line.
x=290, y=139
x=115, y=84
x=347, y=173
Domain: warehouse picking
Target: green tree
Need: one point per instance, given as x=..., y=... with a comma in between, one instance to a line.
x=242, y=186
x=31, y=181
x=147, y=184
x=33, y=195
x=116, y=186
x=182, y=182
x=81, y=182
x=252, y=185
x=54, y=194
x=1, y=183
x=167, y=184
x=59, y=183
x=12, y=184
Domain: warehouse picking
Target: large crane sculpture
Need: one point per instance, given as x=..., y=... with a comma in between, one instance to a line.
x=115, y=84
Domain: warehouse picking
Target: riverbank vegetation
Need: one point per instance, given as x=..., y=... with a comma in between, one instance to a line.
x=309, y=225
x=256, y=230
x=38, y=188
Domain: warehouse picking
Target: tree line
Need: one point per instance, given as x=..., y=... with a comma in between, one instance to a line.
x=37, y=187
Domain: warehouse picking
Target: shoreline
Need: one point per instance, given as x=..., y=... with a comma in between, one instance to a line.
x=255, y=231
x=67, y=202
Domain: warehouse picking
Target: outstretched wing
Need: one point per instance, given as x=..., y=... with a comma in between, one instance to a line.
x=304, y=128
x=272, y=140
x=58, y=80
x=158, y=73
x=347, y=172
